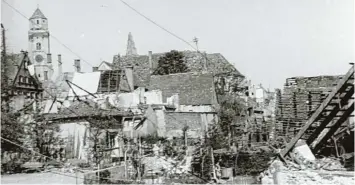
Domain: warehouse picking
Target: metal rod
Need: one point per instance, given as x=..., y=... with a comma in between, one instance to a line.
x=80, y=88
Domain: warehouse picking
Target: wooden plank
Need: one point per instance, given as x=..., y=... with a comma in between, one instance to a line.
x=331, y=116
x=329, y=132
x=318, y=112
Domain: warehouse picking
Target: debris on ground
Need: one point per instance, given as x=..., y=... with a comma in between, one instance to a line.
x=293, y=173
x=304, y=168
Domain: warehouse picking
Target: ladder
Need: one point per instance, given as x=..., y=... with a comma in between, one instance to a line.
x=331, y=114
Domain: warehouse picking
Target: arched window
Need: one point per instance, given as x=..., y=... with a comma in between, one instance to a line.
x=38, y=46
x=20, y=79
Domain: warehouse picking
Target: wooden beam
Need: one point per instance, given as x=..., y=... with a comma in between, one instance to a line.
x=69, y=82
x=329, y=132
x=331, y=116
x=318, y=112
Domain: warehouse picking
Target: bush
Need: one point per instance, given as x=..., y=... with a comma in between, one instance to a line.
x=11, y=167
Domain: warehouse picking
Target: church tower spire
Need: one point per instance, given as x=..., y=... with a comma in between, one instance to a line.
x=131, y=48
x=39, y=46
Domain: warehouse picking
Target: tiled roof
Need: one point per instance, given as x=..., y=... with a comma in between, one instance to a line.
x=38, y=14
x=193, y=88
x=13, y=63
x=216, y=64
x=85, y=108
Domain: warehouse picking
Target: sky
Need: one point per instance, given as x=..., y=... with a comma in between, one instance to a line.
x=266, y=40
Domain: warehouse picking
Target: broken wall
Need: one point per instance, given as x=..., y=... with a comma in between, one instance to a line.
x=197, y=123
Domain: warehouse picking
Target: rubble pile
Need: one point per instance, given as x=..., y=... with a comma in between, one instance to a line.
x=329, y=171
x=169, y=165
x=309, y=177
x=157, y=164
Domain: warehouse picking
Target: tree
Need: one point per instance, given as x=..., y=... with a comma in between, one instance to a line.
x=172, y=62
x=44, y=137
x=12, y=130
x=98, y=128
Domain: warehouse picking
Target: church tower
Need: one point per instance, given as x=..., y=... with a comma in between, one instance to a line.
x=131, y=47
x=39, y=46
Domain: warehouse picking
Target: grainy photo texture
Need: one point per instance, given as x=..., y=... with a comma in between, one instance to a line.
x=177, y=92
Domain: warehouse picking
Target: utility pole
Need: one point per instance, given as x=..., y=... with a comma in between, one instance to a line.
x=4, y=80
x=204, y=55
x=195, y=40
x=3, y=51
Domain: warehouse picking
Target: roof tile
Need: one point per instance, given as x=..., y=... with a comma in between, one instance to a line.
x=193, y=88
x=216, y=64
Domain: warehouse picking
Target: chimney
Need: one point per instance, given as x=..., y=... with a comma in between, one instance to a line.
x=77, y=65
x=49, y=58
x=205, y=61
x=129, y=76
x=60, y=68
x=94, y=69
x=141, y=95
x=117, y=60
x=150, y=61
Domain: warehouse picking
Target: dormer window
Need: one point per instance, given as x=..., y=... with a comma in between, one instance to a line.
x=37, y=21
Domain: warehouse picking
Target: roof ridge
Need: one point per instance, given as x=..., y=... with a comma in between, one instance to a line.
x=186, y=73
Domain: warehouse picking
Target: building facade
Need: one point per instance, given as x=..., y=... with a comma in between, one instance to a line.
x=39, y=46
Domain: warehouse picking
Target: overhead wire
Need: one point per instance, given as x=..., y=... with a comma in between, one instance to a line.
x=166, y=30
x=135, y=10
x=158, y=25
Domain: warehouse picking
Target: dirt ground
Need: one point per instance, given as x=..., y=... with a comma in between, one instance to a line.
x=41, y=178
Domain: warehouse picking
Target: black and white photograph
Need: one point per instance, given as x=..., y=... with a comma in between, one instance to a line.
x=174, y=92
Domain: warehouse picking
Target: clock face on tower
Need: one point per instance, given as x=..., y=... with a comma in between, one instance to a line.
x=39, y=58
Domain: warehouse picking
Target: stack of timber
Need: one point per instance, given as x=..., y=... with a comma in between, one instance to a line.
x=331, y=116
x=300, y=98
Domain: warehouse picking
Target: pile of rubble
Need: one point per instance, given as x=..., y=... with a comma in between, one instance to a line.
x=304, y=168
x=166, y=165
x=157, y=164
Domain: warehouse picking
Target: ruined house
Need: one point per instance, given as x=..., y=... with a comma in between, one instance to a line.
x=196, y=91
x=19, y=78
x=196, y=105
x=144, y=66
x=22, y=88
x=78, y=125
